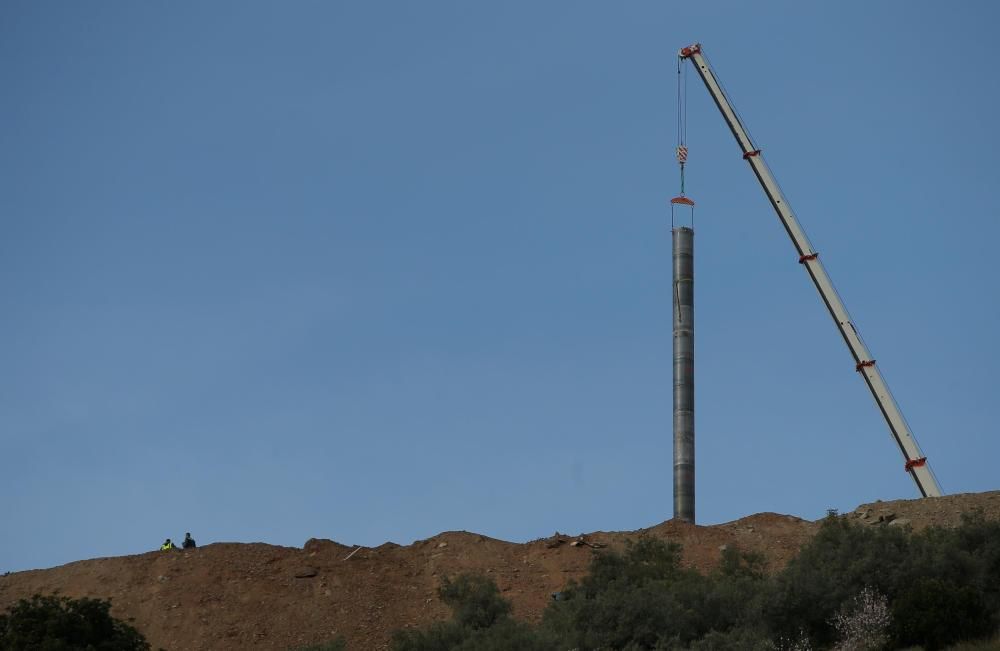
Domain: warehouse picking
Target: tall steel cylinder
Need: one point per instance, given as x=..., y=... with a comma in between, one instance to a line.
x=683, y=286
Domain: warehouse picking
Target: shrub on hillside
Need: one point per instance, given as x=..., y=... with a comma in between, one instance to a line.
x=914, y=570
x=474, y=600
x=52, y=623
x=935, y=613
x=480, y=622
x=829, y=571
x=643, y=599
x=854, y=586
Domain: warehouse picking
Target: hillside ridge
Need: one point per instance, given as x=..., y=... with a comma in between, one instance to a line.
x=227, y=596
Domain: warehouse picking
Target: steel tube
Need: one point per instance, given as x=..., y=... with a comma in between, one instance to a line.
x=683, y=300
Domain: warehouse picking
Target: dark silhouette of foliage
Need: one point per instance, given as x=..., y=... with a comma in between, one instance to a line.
x=480, y=622
x=829, y=571
x=917, y=572
x=941, y=587
x=935, y=613
x=474, y=600
x=51, y=623
x=643, y=599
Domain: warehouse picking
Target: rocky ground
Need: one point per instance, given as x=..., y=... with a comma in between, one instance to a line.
x=230, y=596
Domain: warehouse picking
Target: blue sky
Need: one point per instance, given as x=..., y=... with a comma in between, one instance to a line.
x=370, y=271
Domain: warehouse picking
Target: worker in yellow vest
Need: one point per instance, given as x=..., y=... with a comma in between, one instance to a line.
x=166, y=545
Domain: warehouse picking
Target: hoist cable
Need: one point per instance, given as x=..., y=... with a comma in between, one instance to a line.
x=681, y=119
x=680, y=136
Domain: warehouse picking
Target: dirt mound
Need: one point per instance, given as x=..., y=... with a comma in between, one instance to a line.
x=238, y=596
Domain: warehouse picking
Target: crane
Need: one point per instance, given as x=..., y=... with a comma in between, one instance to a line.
x=915, y=462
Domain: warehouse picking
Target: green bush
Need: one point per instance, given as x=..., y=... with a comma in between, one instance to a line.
x=441, y=636
x=936, y=613
x=480, y=622
x=838, y=563
x=51, y=623
x=643, y=599
x=505, y=636
x=928, y=589
x=475, y=600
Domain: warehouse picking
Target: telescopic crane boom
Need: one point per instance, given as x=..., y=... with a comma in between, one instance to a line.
x=916, y=463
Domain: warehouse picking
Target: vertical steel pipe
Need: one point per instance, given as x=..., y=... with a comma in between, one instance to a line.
x=683, y=299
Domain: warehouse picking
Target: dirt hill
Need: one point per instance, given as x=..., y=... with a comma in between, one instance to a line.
x=240, y=596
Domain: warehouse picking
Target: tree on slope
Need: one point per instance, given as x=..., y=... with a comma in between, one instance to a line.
x=480, y=621
x=52, y=623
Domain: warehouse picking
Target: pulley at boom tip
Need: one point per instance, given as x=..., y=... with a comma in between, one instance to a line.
x=685, y=52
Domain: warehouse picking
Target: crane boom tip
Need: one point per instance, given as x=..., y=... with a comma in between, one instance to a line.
x=685, y=52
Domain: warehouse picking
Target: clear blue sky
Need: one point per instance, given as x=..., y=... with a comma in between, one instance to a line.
x=369, y=271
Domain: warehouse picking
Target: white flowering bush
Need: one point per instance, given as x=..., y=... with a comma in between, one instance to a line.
x=863, y=625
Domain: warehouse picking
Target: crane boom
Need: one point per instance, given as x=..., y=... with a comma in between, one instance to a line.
x=915, y=462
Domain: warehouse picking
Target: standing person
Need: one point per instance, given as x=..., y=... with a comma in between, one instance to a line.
x=189, y=542
x=166, y=545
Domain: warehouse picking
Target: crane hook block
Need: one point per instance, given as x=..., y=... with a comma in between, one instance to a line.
x=682, y=200
x=913, y=463
x=688, y=51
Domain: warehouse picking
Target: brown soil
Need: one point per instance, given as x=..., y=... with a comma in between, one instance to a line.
x=239, y=596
